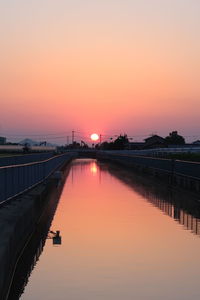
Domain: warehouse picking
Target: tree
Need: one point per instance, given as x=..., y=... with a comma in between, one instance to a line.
x=175, y=139
x=84, y=145
x=26, y=148
x=120, y=142
x=74, y=145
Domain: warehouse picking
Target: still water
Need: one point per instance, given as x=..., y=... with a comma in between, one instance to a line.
x=121, y=238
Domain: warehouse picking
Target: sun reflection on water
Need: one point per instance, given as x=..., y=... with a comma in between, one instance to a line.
x=93, y=168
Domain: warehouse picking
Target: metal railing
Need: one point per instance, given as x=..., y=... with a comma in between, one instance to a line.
x=16, y=179
x=171, y=166
x=160, y=152
x=23, y=159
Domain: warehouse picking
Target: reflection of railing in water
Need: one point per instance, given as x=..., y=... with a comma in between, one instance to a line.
x=19, y=288
x=184, y=218
x=25, y=268
x=190, y=222
x=181, y=207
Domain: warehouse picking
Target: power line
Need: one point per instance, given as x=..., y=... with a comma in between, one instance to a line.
x=47, y=134
x=76, y=134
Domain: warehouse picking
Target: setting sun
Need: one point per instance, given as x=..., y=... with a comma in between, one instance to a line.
x=94, y=137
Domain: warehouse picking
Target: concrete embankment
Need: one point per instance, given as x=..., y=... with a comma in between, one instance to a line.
x=18, y=220
x=34, y=248
x=176, y=172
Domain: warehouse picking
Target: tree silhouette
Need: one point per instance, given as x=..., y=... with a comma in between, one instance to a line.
x=118, y=144
x=175, y=139
x=121, y=142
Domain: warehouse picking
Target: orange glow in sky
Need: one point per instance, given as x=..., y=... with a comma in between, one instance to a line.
x=108, y=66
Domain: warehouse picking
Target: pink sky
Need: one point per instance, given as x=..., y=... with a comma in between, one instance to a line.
x=108, y=67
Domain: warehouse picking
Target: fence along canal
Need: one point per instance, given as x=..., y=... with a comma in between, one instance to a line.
x=19, y=173
x=17, y=178
x=176, y=172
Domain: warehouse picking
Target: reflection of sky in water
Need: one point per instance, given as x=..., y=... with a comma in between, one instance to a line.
x=115, y=245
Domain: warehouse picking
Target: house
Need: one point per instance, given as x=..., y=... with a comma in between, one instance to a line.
x=196, y=143
x=155, y=141
x=135, y=146
x=2, y=140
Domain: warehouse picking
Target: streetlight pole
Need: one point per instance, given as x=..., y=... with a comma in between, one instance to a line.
x=72, y=136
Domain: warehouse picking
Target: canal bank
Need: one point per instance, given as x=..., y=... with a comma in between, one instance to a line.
x=179, y=173
x=19, y=219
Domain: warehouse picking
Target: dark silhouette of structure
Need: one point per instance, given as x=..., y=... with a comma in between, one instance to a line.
x=2, y=140
x=174, y=139
x=155, y=141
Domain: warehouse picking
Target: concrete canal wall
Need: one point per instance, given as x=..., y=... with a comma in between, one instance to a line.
x=181, y=173
x=31, y=253
x=18, y=219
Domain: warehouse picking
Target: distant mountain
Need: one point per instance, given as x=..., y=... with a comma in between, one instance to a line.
x=29, y=142
x=34, y=143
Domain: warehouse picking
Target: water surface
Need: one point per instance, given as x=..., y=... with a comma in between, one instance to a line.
x=122, y=238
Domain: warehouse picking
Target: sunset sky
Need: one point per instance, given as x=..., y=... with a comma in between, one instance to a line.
x=108, y=66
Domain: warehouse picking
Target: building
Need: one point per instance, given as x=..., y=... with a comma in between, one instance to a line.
x=135, y=146
x=196, y=143
x=155, y=141
x=2, y=140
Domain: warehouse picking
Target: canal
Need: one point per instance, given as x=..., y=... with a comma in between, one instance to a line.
x=121, y=236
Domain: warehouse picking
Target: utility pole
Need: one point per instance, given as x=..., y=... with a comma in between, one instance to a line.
x=100, y=136
x=72, y=136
